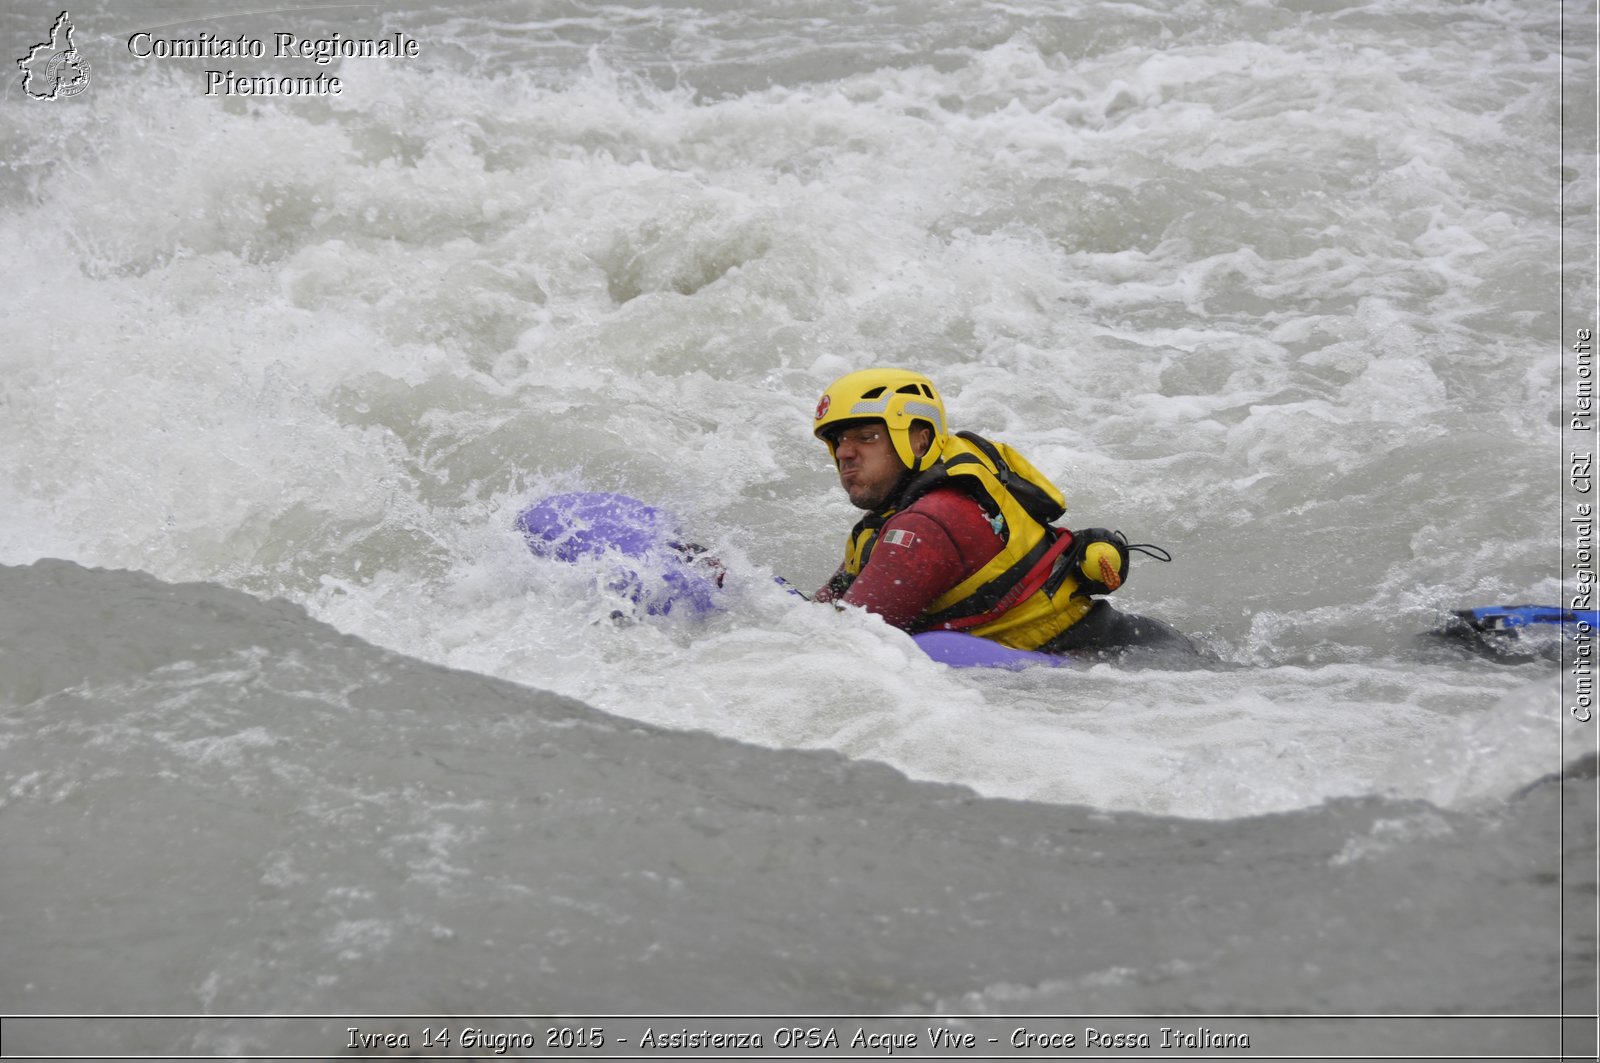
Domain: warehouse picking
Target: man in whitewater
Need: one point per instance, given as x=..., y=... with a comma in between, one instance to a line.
x=958, y=531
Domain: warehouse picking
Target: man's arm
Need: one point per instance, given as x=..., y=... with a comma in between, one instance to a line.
x=914, y=561
x=829, y=591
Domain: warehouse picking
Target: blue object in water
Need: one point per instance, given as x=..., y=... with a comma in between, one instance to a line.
x=1511, y=617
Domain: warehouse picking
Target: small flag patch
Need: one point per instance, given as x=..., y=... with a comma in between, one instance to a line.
x=899, y=537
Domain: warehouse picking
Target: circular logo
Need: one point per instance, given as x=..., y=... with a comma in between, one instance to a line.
x=822, y=407
x=71, y=80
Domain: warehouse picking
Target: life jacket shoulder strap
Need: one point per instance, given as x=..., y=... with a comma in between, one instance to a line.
x=1041, y=499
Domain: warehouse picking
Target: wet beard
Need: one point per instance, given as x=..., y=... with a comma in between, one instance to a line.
x=885, y=500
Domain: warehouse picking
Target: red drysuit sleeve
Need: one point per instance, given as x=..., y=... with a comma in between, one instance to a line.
x=934, y=544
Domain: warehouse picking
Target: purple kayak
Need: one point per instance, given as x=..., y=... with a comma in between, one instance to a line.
x=586, y=524
x=960, y=650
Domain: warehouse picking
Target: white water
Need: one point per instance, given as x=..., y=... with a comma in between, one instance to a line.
x=1275, y=286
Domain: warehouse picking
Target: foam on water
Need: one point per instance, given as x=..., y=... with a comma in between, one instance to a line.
x=1270, y=287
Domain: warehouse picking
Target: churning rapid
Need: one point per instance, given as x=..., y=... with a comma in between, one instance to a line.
x=1276, y=286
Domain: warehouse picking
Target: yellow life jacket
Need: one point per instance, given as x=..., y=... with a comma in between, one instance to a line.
x=1030, y=591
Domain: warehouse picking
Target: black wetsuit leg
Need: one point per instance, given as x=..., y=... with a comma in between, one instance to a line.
x=1105, y=628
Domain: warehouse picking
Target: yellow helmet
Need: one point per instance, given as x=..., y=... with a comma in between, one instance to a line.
x=897, y=397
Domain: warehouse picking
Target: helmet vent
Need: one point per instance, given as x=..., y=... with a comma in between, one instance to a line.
x=907, y=389
x=872, y=394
